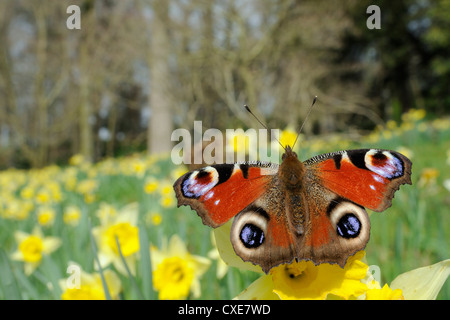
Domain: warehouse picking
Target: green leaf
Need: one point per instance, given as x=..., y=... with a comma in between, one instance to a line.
x=146, y=266
x=130, y=275
x=8, y=281
x=97, y=260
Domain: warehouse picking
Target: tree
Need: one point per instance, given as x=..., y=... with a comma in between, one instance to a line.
x=160, y=124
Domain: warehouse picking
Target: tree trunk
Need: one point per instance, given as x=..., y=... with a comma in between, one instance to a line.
x=160, y=124
x=85, y=107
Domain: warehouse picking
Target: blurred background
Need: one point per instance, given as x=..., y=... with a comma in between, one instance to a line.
x=137, y=69
x=86, y=117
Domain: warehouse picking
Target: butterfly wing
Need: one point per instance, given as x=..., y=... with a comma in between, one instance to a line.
x=219, y=192
x=368, y=177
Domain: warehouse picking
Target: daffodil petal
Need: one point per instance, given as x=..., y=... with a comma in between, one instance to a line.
x=17, y=255
x=199, y=264
x=50, y=244
x=226, y=251
x=423, y=283
x=20, y=236
x=177, y=246
x=113, y=283
x=128, y=213
x=260, y=289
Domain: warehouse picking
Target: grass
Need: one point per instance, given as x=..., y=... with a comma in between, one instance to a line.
x=413, y=233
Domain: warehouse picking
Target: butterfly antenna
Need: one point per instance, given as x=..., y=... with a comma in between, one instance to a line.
x=304, y=121
x=250, y=111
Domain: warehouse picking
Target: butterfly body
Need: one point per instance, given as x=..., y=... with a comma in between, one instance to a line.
x=311, y=210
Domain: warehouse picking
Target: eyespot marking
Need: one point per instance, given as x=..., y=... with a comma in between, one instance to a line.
x=348, y=226
x=199, y=182
x=384, y=163
x=251, y=236
x=349, y=220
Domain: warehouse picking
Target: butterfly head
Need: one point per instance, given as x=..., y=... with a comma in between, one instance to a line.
x=291, y=170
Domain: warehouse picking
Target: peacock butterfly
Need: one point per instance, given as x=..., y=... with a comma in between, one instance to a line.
x=312, y=210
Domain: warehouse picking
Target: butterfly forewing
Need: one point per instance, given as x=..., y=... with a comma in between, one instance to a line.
x=219, y=192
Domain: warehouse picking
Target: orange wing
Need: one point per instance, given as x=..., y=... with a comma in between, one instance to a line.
x=219, y=192
x=368, y=177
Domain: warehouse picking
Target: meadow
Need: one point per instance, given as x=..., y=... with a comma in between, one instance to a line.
x=59, y=222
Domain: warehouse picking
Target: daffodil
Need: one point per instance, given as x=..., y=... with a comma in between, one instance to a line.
x=154, y=218
x=87, y=188
x=31, y=248
x=45, y=215
x=76, y=160
x=72, y=215
x=414, y=115
x=106, y=212
x=288, y=137
x=384, y=293
x=178, y=172
x=406, y=151
x=166, y=189
x=27, y=192
x=304, y=280
x=428, y=176
x=176, y=273
x=167, y=202
x=123, y=228
x=16, y=209
x=137, y=167
x=151, y=185
x=240, y=142
x=85, y=286
x=43, y=196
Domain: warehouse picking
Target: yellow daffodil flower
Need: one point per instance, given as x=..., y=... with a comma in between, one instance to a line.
x=72, y=215
x=239, y=142
x=45, y=215
x=153, y=218
x=287, y=137
x=151, y=185
x=31, y=248
x=428, y=177
x=76, y=160
x=124, y=227
x=84, y=286
x=176, y=272
x=304, y=280
x=384, y=293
